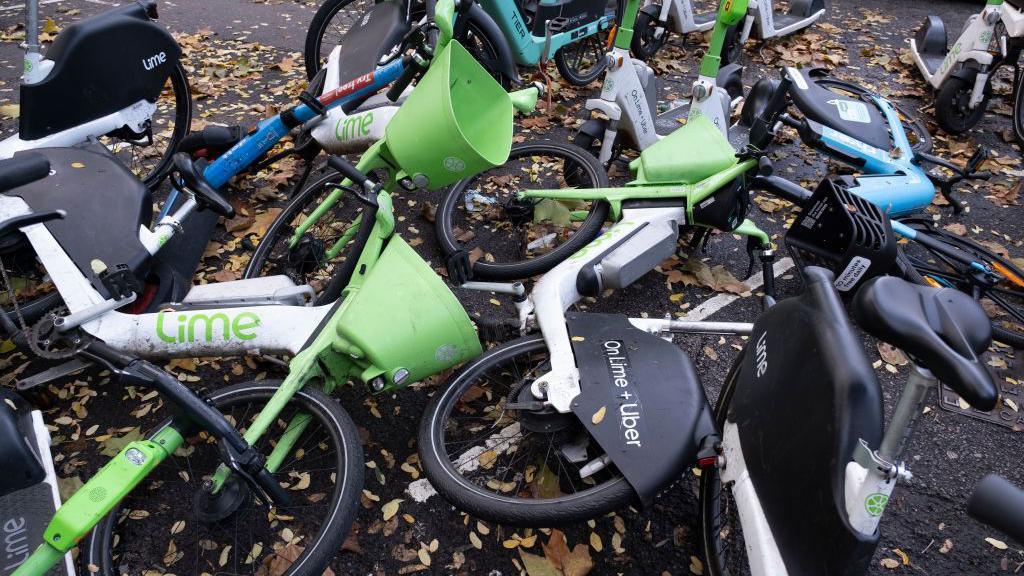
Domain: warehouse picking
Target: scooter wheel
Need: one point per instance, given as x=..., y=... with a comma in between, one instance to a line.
x=646, y=41
x=952, y=110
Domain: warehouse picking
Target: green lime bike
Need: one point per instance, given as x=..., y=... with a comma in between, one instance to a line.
x=261, y=475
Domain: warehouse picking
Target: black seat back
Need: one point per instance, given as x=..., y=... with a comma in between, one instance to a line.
x=805, y=396
x=105, y=205
x=854, y=117
x=19, y=461
x=375, y=34
x=943, y=329
x=102, y=64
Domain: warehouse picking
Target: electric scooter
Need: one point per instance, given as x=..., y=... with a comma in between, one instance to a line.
x=962, y=75
x=628, y=98
x=102, y=78
x=655, y=21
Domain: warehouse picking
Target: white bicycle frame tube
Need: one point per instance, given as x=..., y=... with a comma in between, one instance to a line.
x=680, y=13
x=135, y=117
x=973, y=43
x=231, y=331
x=556, y=291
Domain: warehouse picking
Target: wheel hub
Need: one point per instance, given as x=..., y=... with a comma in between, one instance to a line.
x=547, y=420
x=212, y=507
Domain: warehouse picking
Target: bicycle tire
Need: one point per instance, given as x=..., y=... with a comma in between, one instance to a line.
x=951, y=111
x=912, y=270
x=1018, y=109
x=479, y=44
x=154, y=176
x=713, y=545
x=280, y=230
x=97, y=557
x=588, y=230
x=480, y=503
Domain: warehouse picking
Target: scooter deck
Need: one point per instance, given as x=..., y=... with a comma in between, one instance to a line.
x=670, y=120
x=702, y=20
x=783, y=20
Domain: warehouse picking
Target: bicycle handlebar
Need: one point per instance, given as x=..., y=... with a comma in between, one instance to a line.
x=999, y=504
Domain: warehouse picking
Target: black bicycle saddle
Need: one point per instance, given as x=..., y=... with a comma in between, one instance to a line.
x=942, y=328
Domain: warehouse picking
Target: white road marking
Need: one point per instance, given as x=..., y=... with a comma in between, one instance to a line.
x=712, y=305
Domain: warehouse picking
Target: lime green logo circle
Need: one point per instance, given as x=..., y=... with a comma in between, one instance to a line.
x=875, y=503
x=453, y=164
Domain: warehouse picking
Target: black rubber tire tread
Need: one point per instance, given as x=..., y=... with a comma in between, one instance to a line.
x=570, y=74
x=647, y=18
x=315, y=34
x=96, y=552
x=946, y=117
x=480, y=503
x=710, y=485
x=589, y=230
x=1018, y=109
x=732, y=50
x=182, y=126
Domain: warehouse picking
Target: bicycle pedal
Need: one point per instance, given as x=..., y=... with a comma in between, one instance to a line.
x=558, y=25
x=460, y=269
x=497, y=330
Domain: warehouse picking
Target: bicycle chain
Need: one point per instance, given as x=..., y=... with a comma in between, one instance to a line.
x=44, y=348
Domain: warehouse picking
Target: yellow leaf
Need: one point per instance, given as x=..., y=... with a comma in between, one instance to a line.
x=50, y=27
x=224, y=556
x=424, y=556
x=599, y=415
x=77, y=165
x=177, y=527
x=903, y=556
x=595, y=542
x=890, y=563
x=475, y=541
x=510, y=543
x=997, y=544
x=696, y=566
x=391, y=508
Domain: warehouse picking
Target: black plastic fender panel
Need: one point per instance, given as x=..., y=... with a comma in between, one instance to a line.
x=101, y=65
x=640, y=399
x=805, y=396
x=931, y=37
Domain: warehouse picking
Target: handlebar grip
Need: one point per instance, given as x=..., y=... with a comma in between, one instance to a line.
x=23, y=169
x=999, y=504
x=412, y=69
x=346, y=169
x=781, y=187
x=206, y=196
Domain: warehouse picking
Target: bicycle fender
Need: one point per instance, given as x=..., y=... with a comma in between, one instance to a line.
x=506, y=63
x=640, y=399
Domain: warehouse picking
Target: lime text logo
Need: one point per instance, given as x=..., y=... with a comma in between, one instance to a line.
x=194, y=327
x=354, y=126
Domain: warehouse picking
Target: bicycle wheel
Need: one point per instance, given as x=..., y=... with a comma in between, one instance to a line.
x=1018, y=109
x=510, y=466
x=515, y=238
x=334, y=18
x=34, y=291
x=1003, y=300
x=330, y=23
x=721, y=532
x=172, y=523
x=308, y=262
x=150, y=156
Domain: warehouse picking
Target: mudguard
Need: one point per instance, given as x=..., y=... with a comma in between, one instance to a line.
x=22, y=466
x=640, y=399
x=506, y=63
x=805, y=396
x=101, y=65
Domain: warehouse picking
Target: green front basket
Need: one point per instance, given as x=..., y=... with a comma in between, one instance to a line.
x=456, y=123
x=404, y=320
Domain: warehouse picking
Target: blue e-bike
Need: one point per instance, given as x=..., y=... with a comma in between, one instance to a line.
x=867, y=133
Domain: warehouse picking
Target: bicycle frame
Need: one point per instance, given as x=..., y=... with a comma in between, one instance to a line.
x=529, y=49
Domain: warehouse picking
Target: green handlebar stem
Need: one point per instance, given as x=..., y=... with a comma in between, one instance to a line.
x=730, y=13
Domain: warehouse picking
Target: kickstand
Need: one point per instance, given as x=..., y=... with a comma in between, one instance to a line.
x=947, y=192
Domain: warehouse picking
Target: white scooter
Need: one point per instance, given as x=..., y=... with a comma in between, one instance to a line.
x=628, y=99
x=102, y=78
x=656, y=20
x=962, y=75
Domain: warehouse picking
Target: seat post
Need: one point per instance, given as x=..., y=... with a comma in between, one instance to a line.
x=908, y=408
